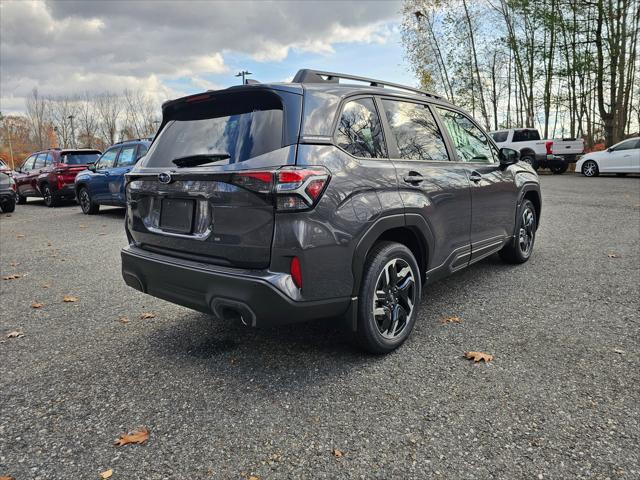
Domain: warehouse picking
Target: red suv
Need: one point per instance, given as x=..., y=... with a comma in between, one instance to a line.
x=50, y=174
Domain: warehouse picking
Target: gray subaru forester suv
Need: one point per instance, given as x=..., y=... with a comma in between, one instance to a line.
x=286, y=202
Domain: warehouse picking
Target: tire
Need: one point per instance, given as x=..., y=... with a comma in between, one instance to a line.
x=590, y=169
x=86, y=203
x=9, y=206
x=20, y=200
x=49, y=198
x=531, y=160
x=519, y=249
x=393, y=292
x=560, y=170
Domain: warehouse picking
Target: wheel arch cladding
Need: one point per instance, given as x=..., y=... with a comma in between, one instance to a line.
x=396, y=229
x=534, y=198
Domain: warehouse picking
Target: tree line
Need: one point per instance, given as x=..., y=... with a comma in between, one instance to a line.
x=85, y=121
x=566, y=67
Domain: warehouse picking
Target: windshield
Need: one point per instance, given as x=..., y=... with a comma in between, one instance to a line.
x=79, y=158
x=230, y=130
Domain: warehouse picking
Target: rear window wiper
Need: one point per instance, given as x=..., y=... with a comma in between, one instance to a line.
x=200, y=159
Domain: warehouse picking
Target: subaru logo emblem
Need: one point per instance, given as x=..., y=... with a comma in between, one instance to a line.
x=164, y=177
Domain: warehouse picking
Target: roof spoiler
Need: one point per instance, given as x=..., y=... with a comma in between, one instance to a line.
x=317, y=76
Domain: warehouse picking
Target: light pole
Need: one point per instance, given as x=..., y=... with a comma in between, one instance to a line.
x=243, y=74
x=73, y=132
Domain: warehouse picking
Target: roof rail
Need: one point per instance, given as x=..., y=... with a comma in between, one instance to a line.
x=133, y=140
x=317, y=76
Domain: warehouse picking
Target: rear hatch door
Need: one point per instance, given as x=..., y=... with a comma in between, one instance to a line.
x=204, y=191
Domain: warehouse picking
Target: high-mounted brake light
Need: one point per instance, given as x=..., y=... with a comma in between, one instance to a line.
x=549, y=146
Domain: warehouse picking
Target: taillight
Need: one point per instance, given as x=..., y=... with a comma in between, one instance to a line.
x=549, y=146
x=300, y=188
x=296, y=272
x=258, y=181
x=13, y=186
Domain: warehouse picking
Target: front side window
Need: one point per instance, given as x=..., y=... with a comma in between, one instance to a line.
x=628, y=145
x=108, y=159
x=500, y=137
x=525, y=135
x=28, y=163
x=360, y=131
x=470, y=143
x=127, y=156
x=415, y=130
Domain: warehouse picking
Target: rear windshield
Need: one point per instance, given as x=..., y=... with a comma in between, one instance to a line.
x=78, y=158
x=230, y=128
x=525, y=135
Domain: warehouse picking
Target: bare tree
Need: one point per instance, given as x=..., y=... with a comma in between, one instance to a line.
x=37, y=113
x=88, y=122
x=109, y=108
x=60, y=110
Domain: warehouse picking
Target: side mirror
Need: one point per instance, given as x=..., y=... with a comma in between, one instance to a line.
x=508, y=156
x=609, y=149
x=91, y=167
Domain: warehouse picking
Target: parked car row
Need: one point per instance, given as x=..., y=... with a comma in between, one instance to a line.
x=88, y=175
x=621, y=158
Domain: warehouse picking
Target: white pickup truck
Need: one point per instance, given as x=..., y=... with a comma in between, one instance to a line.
x=554, y=154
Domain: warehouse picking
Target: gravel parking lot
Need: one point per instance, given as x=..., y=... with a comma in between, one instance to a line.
x=560, y=400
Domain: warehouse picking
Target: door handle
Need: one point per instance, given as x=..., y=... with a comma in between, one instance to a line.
x=106, y=174
x=413, y=178
x=475, y=176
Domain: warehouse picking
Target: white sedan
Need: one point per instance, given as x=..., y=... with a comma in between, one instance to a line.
x=621, y=158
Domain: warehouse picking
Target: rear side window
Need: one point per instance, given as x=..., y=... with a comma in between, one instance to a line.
x=500, y=137
x=77, y=158
x=49, y=159
x=360, y=131
x=40, y=160
x=226, y=129
x=471, y=144
x=525, y=135
x=142, y=150
x=415, y=130
x=127, y=156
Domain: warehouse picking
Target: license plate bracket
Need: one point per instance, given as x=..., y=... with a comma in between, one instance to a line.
x=176, y=215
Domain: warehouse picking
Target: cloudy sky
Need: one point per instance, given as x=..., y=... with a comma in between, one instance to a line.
x=171, y=48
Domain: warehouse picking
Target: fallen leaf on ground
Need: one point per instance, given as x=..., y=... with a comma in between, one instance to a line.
x=13, y=276
x=37, y=305
x=612, y=255
x=48, y=244
x=70, y=298
x=82, y=226
x=451, y=319
x=253, y=477
x=123, y=319
x=46, y=285
x=14, y=264
x=617, y=350
x=147, y=315
x=106, y=473
x=15, y=334
x=336, y=453
x=137, y=436
x=100, y=234
x=19, y=236
x=6, y=477
x=478, y=356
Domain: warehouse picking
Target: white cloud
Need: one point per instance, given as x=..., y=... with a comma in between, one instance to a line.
x=68, y=47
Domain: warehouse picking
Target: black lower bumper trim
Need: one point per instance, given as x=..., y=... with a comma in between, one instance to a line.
x=218, y=291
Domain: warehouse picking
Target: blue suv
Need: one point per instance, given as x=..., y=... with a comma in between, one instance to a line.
x=103, y=182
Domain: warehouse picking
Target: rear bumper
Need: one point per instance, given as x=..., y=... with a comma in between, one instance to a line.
x=66, y=192
x=252, y=296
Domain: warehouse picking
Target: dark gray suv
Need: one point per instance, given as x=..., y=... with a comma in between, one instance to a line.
x=285, y=202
